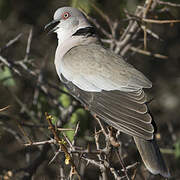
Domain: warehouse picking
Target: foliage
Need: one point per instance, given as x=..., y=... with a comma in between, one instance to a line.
x=177, y=149
x=85, y=5
x=6, y=77
x=65, y=99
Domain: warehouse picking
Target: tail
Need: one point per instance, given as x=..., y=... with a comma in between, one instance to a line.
x=151, y=156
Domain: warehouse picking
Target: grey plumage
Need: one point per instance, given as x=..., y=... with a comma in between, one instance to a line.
x=135, y=121
x=92, y=71
x=94, y=68
x=152, y=157
x=108, y=86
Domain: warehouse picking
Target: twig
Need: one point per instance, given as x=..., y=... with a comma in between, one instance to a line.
x=102, y=168
x=11, y=42
x=68, y=156
x=145, y=38
x=8, y=64
x=115, y=174
x=134, y=174
x=75, y=133
x=52, y=141
x=126, y=38
x=94, y=162
x=25, y=67
x=148, y=53
x=148, y=6
x=131, y=166
x=168, y=3
x=56, y=154
x=149, y=3
x=68, y=141
x=103, y=130
x=24, y=133
x=160, y=21
x=28, y=45
x=122, y=164
x=61, y=173
x=77, y=150
x=5, y=108
x=65, y=129
x=151, y=33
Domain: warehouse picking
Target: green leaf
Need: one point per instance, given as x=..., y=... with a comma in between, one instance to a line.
x=6, y=77
x=79, y=115
x=82, y=4
x=54, y=120
x=177, y=149
x=65, y=99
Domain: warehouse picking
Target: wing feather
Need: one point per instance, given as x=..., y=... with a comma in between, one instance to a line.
x=93, y=68
x=126, y=112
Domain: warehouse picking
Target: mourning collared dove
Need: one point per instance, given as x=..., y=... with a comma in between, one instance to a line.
x=102, y=81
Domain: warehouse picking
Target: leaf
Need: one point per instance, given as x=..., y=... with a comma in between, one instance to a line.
x=79, y=115
x=177, y=149
x=82, y=4
x=65, y=99
x=54, y=120
x=6, y=77
x=54, y=116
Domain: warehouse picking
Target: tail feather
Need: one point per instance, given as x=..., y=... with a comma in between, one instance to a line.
x=151, y=156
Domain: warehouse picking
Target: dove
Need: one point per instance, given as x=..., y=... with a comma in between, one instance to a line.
x=105, y=83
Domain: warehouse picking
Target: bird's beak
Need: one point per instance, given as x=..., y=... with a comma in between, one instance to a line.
x=52, y=26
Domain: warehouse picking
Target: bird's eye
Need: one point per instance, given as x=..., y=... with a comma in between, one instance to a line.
x=65, y=15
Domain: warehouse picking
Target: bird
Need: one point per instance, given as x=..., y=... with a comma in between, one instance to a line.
x=105, y=83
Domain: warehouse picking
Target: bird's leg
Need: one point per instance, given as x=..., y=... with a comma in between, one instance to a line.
x=112, y=139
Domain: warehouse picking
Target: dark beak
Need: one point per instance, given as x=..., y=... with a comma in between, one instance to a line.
x=52, y=26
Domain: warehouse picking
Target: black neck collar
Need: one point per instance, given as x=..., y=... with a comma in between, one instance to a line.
x=87, y=31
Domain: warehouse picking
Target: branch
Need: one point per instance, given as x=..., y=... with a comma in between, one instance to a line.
x=168, y=3
x=61, y=143
x=11, y=42
x=148, y=53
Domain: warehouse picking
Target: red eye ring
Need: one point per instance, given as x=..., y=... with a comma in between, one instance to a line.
x=65, y=15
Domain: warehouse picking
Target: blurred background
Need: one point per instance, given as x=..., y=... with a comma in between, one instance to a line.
x=30, y=87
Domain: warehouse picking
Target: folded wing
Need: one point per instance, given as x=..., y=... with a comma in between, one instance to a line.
x=93, y=68
x=124, y=111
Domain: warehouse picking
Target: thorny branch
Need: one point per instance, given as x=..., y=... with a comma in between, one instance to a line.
x=69, y=158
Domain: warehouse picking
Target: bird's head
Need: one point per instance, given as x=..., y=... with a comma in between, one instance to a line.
x=67, y=21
